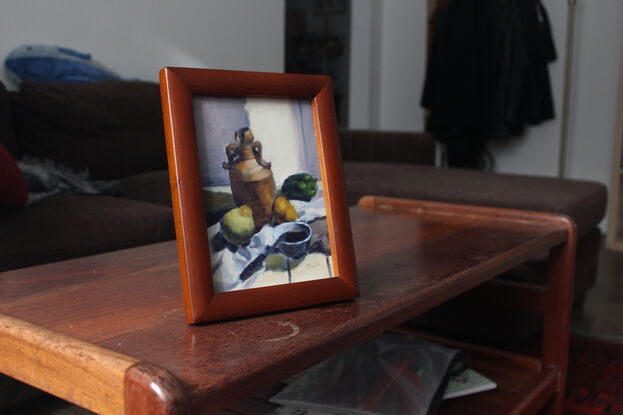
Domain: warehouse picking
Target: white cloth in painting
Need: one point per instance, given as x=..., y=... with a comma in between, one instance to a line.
x=227, y=265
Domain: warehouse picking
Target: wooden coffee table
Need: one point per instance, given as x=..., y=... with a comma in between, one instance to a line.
x=107, y=332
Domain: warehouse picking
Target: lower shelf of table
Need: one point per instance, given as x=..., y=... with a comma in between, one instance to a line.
x=523, y=385
x=517, y=386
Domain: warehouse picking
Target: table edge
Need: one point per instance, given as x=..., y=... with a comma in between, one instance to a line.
x=82, y=372
x=425, y=208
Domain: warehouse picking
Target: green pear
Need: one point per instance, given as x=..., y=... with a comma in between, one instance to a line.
x=237, y=225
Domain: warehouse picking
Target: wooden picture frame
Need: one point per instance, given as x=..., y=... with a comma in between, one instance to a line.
x=185, y=92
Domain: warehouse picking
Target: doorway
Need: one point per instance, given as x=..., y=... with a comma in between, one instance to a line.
x=318, y=42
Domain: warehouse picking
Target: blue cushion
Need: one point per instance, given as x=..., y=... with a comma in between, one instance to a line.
x=54, y=64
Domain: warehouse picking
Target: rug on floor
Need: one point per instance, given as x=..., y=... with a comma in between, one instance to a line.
x=595, y=377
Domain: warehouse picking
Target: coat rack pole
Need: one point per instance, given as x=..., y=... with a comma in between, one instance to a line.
x=564, y=119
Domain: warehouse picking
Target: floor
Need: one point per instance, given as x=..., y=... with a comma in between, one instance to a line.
x=600, y=316
x=602, y=312
x=45, y=405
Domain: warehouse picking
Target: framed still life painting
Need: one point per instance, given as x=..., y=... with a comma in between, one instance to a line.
x=258, y=192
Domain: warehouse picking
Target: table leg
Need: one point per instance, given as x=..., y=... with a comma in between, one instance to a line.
x=559, y=295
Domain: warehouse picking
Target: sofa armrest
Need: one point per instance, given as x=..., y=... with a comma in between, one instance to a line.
x=387, y=146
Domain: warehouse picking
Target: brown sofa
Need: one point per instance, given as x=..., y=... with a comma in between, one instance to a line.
x=371, y=169
x=114, y=129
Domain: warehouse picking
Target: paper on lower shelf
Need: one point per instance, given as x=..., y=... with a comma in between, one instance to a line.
x=290, y=410
x=467, y=382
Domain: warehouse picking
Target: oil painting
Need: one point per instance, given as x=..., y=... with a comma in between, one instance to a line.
x=257, y=188
x=262, y=191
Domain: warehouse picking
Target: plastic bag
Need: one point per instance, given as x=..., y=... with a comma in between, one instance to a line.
x=388, y=375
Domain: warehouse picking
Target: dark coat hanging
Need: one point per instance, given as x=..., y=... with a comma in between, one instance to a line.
x=486, y=76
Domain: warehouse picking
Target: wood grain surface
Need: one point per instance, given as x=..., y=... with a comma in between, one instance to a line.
x=129, y=302
x=152, y=390
x=88, y=375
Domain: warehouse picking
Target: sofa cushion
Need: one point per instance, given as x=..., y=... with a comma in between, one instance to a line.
x=13, y=192
x=387, y=146
x=70, y=226
x=584, y=201
x=150, y=187
x=7, y=136
x=112, y=128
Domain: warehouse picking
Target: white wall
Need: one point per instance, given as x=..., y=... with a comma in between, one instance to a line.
x=403, y=50
x=138, y=37
x=388, y=49
x=595, y=89
x=362, y=46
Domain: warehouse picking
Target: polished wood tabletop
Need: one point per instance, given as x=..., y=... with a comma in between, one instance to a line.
x=107, y=332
